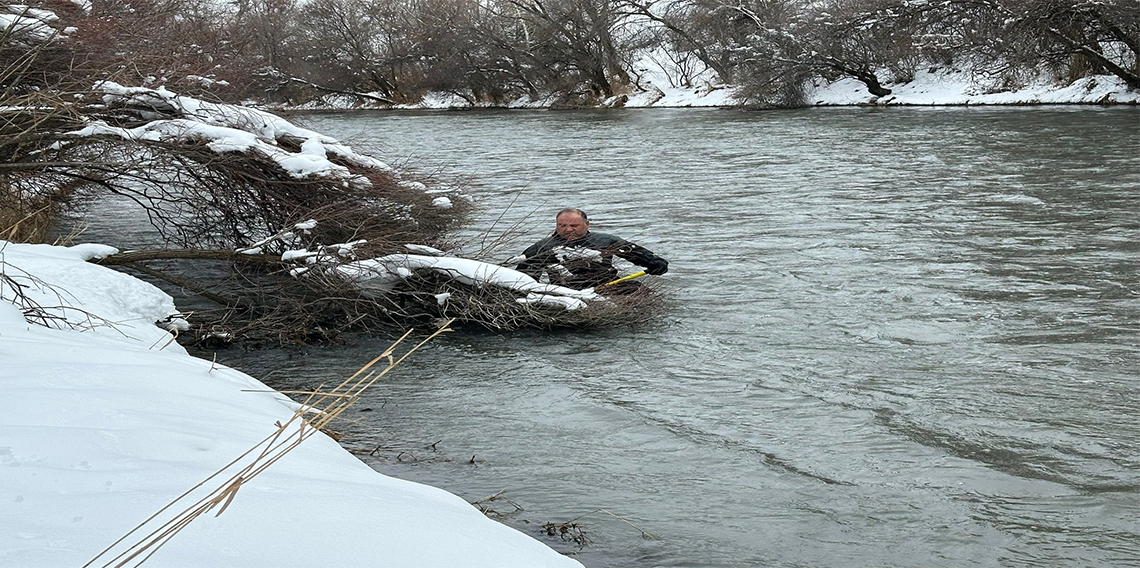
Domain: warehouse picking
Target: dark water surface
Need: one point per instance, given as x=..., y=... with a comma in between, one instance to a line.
x=902, y=337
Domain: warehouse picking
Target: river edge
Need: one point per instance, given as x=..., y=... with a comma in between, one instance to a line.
x=115, y=419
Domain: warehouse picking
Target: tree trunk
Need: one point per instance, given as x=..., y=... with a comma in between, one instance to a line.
x=873, y=85
x=862, y=74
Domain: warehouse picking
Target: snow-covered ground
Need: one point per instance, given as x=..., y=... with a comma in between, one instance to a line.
x=107, y=420
x=941, y=88
x=930, y=87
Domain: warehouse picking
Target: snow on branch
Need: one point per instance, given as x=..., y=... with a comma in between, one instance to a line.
x=385, y=272
x=229, y=128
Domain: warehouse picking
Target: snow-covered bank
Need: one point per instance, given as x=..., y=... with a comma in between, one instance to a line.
x=929, y=88
x=107, y=423
x=934, y=88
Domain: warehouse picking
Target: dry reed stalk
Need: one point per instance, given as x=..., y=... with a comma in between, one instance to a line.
x=644, y=534
x=19, y=227
x=326, y=405
x=572, y=531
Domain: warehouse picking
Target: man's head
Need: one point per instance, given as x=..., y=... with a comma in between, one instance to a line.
x=571, y=224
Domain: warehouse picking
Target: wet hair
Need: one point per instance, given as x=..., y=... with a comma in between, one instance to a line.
x=574, y=211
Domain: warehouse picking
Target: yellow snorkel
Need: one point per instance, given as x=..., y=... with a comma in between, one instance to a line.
x=623, y=279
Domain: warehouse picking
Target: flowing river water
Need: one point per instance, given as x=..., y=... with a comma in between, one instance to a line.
x=900, y=337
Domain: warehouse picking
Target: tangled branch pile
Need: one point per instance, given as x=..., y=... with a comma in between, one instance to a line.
x=231, y=194
x=211, y=179
x=437, y=285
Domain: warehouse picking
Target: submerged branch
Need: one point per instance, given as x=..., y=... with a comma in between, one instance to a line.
x=342, y=92
x=134, y=256
x=228, y=301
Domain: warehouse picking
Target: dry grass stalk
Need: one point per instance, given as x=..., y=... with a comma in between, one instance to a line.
x=324, y=406
x=644, y=534
x=21, y=227
x=576, y=533
x=482, y=505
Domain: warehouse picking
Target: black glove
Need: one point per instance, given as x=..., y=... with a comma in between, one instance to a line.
x=657, y=266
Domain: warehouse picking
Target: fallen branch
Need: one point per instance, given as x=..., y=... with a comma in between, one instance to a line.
x=203, y=291
x=340, y=92
x=131, y=257
x=645, y=535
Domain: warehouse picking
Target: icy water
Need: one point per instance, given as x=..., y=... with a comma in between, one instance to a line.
x=902, y=337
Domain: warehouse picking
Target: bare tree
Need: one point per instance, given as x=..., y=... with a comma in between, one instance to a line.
x=1073, y=38
x=765, y=49
x=581, y=37
x=61, y=141
x=688, y=29
x=397, y=50
x=480, y=55
x=1087, y=36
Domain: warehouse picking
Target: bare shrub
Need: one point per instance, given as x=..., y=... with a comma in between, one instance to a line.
x=204, y=202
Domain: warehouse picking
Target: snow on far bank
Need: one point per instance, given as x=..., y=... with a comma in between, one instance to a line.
x=929, y=88
x=657, y=75
x=947, y=88
x=107, y=424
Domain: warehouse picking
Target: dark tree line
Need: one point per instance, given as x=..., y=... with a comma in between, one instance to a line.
x=581, y=52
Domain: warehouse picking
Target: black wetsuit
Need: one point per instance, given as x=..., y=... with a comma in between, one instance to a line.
x=574, y=263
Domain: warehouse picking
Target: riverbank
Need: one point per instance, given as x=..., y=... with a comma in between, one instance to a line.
x=109, y=420
x=932, y=87
x=950, y=89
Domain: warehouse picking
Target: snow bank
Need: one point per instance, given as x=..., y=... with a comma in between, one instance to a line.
x=93, y=299
x=107, y=424
x=929, y=87
x=943, y=87
x=661, y=89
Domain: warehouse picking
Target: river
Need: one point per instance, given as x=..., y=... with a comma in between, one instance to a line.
x=899, y=337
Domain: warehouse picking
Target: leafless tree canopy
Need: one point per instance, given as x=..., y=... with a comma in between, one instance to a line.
x=205, y=204
x=580, y=52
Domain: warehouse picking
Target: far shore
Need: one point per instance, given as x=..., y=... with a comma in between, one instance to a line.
x=926, y=90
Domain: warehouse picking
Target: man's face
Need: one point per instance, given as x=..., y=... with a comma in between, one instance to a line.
x=571, y=226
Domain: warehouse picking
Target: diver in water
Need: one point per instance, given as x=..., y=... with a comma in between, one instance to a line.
x=576, y=258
